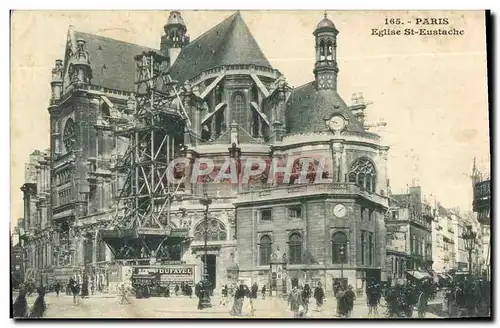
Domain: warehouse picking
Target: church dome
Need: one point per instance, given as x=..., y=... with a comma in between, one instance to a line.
x=325, y=23
x=309, y=108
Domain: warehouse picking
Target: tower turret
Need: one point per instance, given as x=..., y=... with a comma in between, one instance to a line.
x=175, y=36
x=326, y=69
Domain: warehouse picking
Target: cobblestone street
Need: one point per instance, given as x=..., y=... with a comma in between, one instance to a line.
x=108, y=306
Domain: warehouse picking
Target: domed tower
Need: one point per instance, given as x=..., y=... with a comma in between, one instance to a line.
x=175, y=36
x=326, y=69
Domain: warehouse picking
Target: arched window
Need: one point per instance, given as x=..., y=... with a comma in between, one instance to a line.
x=363, y=174
x=329, y=50
x=215, y=230
x=238, y=110
x=295, y=248
x=339, y=247
x=322, y=50
x=265, y=250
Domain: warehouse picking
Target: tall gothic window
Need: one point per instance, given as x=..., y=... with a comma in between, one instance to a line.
x=215, y=230
x=339, y=247
x=295, y=248
x=363, y=174
x=238, y=109
x=265, y=250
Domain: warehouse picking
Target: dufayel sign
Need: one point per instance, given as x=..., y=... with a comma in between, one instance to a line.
x=166, y=274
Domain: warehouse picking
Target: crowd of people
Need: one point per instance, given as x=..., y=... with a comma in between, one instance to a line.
x=468, y=297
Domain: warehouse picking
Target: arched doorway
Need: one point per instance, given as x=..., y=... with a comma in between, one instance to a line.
x=215, y=230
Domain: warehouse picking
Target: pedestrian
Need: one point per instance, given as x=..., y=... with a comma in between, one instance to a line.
x=223, y=299
x=349, y=298
x=75, y=290
x=92, y=286
x=20, y=306
x=57, y=288
x=200, y=291
x=264, y=291
x=239, y=297
x=296, y=303
x=306, y=294
x=39, y=307
x=190, y=291
x=85, y=286
x=176, y=290
x=253, y=296
x=341, y=304
x=373, y=297
x=68, y=287
x=422, y=304
x=319, y=296
x=123, y=292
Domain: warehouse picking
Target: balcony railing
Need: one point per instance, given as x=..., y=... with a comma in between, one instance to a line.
x=291, y=191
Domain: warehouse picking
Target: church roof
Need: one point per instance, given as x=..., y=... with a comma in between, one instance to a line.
x=308, y=108
x=325, y=23
x=228, y=43
x=112, y=61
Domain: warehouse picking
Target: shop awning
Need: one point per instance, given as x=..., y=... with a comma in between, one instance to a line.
x=419, y=274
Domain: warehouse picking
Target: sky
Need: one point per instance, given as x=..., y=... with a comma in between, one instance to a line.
x=431, y=90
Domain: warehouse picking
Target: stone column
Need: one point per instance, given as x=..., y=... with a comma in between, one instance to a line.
x=94, y=247
x=337, y=167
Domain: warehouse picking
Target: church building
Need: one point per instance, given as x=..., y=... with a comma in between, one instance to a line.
x=330, y=229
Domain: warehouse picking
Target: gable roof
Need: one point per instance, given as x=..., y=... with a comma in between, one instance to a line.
x=228, y=43
x=112, y=61
x=308, y=108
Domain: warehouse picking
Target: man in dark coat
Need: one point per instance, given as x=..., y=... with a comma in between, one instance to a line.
x=39, y=307
x=57, y=288
x=20, y=306
x=75, y=289
x=319, y=296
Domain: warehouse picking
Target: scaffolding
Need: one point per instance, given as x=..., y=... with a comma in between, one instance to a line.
x=153, y=129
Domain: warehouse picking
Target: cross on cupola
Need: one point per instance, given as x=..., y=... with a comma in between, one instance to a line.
x=326, y=69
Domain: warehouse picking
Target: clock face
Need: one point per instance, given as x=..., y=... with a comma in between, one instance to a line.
x=69, y=135
x=336, y=123
x=339, y=210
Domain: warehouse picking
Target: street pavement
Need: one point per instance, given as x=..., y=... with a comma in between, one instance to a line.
x=109, y=307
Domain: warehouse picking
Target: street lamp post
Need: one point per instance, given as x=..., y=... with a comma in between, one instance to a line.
x=469, y=237
x=206, y=201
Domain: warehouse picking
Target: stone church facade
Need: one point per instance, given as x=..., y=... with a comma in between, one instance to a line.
x=240, y=107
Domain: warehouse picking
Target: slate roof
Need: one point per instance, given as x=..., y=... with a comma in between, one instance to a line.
x=228, y=43
x=112, y=61
x=308, y=107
